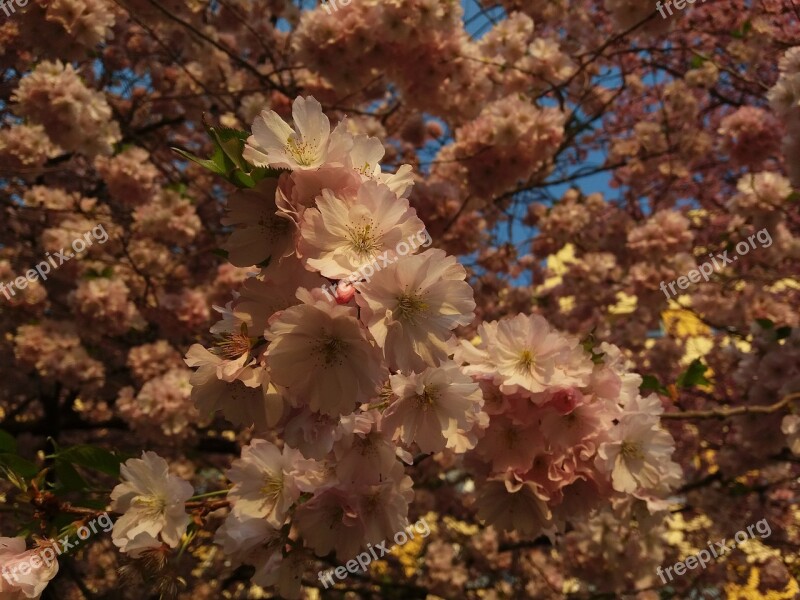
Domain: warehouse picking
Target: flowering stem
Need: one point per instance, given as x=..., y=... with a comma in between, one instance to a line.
x=208, y=495
x=186, y=543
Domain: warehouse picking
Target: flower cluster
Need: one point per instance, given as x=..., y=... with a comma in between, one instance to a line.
x=349, y=390
x=318, y=372
x=75, y=116
x=769, y=371
x=565, y=431
x=569, y=172
x=784, y=99
x=511, y=141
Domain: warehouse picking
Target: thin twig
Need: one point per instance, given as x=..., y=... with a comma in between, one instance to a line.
x=724, y=413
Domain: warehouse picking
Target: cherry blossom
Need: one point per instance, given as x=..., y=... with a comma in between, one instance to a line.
x=24, y=573
x=339, y=236
x=267, y=481
x=275, y=144
x=151, y=501
x=412, y=306
x=437, y=408
x=322, y=337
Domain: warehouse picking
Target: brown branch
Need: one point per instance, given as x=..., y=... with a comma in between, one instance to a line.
x=541, y=542
x=724, y=413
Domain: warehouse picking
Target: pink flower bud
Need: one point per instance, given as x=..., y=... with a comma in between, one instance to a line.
x=344, y=292
x=565, y=400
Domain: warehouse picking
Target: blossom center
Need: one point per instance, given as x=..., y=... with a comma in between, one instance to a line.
x=367, y=445
x=409, y=307
x=301, y=151
x=331, y=350
x=525, y=361
x=631, y=450
x=273, y=486
x=386, y=392
x=427, y=399
x=234, y=345
x=372, y=502
x=363, y=240
x=273, y=225
x=151, y=505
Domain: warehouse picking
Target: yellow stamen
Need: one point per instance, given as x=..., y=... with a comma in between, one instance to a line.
x=363, y=240
x=526, y=361
x=409, y=307
x=428, y=398
x=631, y=450
x=302, y=152
x=273, y=486
x=234, y=345
x=152, y=505
x=331, y=349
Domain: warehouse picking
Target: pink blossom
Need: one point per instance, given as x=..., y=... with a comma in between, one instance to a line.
x=323, y=338
x=636, y=454
x=342, y=234
x=275, y=144
x=267, y=481
x=436, y=408
x=151, y=501
x=524, y=355
x=24, y=572
x=411, y=307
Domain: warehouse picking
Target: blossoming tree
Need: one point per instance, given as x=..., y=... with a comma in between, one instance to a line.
x=398, y=262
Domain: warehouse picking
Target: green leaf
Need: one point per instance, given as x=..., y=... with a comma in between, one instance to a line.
x=259, y=173
x=242, y=179
x=696, y=62
x=220, y=252
x=231, y=142
x=598, y=358
x=227, y=158
x=210, y=165
x=7, y=442
x=13, y=465
x=588, y=344
x=765, y=323
x=178, y=187
x=68, y=476
x=747, y=26
x=694, y=375
x=92, y=457
x=783, y=332
x=651, y=384
x=106, y=273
